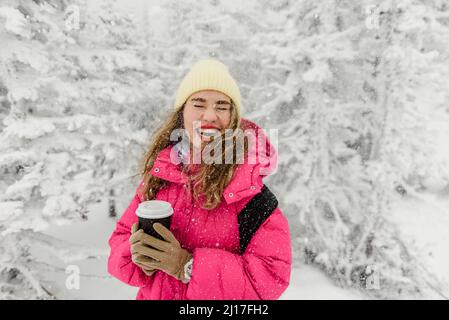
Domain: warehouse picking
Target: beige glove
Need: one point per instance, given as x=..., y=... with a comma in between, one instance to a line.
x=169, y=256
x=137, y=253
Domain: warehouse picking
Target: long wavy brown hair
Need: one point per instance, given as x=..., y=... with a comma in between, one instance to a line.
x=205, y=179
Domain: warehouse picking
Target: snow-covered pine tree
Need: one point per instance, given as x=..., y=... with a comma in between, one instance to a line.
x=72, y=92
x=119, y=92
x=180, y=33
x=29, y=194
x=417, y=91
x=331, y=96
x=336, y=205
x=410, y=151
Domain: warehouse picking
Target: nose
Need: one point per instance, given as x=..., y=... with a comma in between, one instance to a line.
x=209, y=115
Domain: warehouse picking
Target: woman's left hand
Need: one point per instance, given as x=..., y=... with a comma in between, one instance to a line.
x=169, y=256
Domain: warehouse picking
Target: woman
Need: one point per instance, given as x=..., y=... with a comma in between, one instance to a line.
x=213, y=250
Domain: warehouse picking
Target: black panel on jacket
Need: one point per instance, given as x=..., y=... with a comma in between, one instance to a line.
x=256, y=211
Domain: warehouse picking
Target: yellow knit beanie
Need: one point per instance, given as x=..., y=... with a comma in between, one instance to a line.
x=208, y=74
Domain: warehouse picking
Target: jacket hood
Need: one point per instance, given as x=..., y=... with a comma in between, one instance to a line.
x=248, y=176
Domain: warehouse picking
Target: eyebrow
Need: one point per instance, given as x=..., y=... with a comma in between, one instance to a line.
x=204, y=100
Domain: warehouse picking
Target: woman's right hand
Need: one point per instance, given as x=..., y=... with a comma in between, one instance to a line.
x=144, y=262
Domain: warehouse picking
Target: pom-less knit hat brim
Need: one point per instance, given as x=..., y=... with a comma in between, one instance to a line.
x=208, y=74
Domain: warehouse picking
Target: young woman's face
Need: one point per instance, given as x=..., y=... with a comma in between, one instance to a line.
x=206, y=113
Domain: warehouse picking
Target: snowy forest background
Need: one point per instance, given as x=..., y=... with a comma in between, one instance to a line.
x=357, y=89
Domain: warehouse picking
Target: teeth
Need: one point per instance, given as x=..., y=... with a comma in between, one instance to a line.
x=208, y=132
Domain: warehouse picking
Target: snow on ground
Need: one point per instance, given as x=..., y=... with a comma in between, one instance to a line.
x=95, y=282
x=424, y=223
x=309, y=283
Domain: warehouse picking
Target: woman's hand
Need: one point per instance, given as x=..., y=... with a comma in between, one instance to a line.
x=137, y=253
x=169, y=256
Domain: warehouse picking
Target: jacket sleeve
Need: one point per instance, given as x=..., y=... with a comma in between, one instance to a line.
x=262, y=272
x=120, y=264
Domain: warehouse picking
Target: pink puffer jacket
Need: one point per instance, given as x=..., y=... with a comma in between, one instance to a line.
x=212, y=236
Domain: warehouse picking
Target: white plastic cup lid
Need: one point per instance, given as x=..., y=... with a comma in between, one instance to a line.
x=154, y=209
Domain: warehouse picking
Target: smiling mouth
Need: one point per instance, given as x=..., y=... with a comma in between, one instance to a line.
x=207, y=133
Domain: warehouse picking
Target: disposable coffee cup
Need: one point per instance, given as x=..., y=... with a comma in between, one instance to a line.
x=152, y=211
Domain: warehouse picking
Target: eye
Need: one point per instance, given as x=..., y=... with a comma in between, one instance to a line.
x=197, y=106
x=223, y=109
